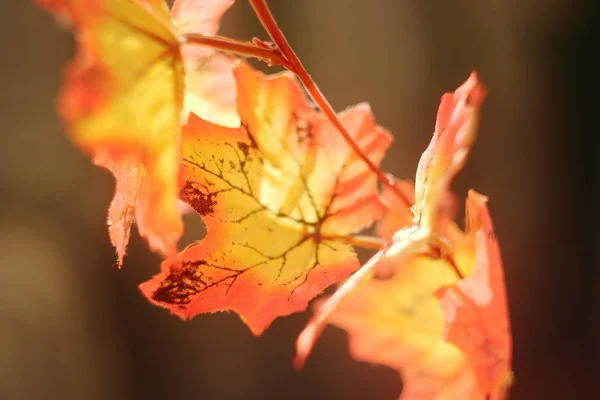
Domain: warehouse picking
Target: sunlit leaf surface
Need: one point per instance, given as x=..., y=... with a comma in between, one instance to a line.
x=278, y=196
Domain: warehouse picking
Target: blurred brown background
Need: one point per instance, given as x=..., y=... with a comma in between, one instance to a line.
x=75, y=327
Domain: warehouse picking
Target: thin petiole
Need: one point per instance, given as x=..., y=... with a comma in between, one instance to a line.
x=246, y=49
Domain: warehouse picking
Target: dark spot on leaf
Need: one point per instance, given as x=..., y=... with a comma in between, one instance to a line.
x=185, y=280
x=244, y=147
x=251, y=145
x=202, y=201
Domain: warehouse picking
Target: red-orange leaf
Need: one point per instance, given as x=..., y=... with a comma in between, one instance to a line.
x=447, y=338
x=398, y=322
x=475, y=309
x=455, y=132
x=461, y=348
x=122, y=101
x=278, y=195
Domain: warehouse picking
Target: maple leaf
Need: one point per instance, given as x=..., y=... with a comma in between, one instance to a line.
x=398, y=322
x=454, y=133
x=475, y=308
x=459, y=346
x=279, y=195
x=122, y=100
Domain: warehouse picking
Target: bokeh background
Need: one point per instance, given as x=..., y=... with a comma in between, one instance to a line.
x=75, y=327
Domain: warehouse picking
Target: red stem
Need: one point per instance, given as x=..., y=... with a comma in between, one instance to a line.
x=246, y=49
x=268, y=21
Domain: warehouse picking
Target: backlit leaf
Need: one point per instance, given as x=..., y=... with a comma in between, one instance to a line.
x=475, y=308
x=455, y=133
x=458, y=347
x=122, y=101
x=398, y=322
x=278, y=196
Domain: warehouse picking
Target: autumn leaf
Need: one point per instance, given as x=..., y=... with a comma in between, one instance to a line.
x=458, y=347
x=279, y=195
x=122, y=101
x=455, y=133
x=398, y=322
x=475, y=308
x=430, y=230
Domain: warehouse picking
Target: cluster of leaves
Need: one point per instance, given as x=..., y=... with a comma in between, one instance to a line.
x=284, y=190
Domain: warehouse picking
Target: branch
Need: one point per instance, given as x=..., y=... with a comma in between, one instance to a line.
x=293, y=64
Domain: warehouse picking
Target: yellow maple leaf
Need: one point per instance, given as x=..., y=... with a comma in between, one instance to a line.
x=279, y=196
x=122, y=102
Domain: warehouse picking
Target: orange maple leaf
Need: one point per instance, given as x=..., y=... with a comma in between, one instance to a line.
x=455, y=132
x=399, y=321
x=456, y=348
x=475, y=309
x=122, y=101
x=279, y=197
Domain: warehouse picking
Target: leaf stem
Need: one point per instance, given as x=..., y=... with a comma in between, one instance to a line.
x=247, y=49
x=293, y=64
x=365, y=241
